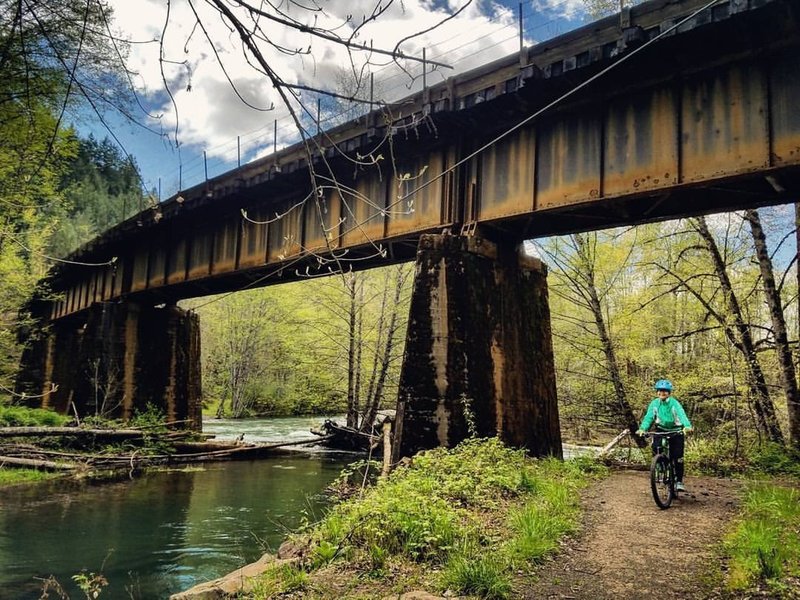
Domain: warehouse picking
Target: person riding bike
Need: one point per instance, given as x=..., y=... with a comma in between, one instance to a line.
x=669, y=416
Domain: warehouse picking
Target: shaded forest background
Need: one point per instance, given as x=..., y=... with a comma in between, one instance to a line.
x=710, y=303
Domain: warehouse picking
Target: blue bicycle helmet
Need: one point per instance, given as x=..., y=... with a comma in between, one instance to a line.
x=663, y=384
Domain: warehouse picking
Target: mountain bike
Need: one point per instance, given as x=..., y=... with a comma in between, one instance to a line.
x=662, y=469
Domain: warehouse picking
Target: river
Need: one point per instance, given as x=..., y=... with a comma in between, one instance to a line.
x=166, y=530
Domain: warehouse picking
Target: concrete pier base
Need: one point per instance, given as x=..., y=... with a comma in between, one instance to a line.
x=478, y=358
x=115, y=360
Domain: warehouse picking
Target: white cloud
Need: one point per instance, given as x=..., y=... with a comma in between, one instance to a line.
x=206, y=109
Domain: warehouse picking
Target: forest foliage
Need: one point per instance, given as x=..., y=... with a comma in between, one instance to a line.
x=312, y=347
x=56, y=190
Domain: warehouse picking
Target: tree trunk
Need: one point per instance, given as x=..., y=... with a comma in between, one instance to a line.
x=773, y=298
x=352, y=399
x=373, y=402
x=626, y=413
x=765, y=411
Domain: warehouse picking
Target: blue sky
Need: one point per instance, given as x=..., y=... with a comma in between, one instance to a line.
x=208, y=114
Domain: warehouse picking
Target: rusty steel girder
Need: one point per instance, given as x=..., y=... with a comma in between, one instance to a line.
x=702, y=119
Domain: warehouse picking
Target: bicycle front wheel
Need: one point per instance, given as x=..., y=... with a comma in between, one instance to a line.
x=662, y=481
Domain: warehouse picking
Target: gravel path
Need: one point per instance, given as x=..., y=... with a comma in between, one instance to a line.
x=628, y=544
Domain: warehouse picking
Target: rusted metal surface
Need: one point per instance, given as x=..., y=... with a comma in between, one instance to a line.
x=108, y=281
x=321, y=218
x=253, y=247
x=507, y=177
x=785, y=96
x=201, y=248
x=684, y=128
x=157, y=266
x=409, y=210
x=641, y=143
x=363, y=210
x=724, y=123
x=226, y=238
x=139, y=270
x=568, y=162
x=176, y=259
x=285, y=233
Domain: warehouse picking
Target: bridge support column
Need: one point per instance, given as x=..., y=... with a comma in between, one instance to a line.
x=116, y=359
x=478, y=358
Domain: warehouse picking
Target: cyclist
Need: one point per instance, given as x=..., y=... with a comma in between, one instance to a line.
x=668, y=415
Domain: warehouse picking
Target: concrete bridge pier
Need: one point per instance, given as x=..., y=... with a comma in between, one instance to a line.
x=479, y=357
x=115, y=360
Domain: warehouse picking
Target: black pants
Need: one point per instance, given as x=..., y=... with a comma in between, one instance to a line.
x=675, y=451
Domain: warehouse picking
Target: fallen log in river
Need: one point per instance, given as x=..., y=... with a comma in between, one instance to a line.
x=41, y=458
x=127, y=434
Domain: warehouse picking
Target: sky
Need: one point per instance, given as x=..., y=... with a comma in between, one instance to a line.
x=198, y=92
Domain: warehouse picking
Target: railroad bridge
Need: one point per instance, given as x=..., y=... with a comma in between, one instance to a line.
x=671, y=108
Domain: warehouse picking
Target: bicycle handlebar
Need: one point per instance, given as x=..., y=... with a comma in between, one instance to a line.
x=663, y=433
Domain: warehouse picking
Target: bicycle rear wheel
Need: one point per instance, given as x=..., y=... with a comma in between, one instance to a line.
x=662, y=481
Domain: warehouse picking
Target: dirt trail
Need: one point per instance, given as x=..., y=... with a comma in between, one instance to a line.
x=627, y=542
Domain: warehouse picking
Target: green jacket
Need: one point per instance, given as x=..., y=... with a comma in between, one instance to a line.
x=667, y=414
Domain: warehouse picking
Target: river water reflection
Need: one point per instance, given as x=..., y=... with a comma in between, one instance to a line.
x=165, y=531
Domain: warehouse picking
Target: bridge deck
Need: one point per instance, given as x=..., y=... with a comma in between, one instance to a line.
x=701, y=120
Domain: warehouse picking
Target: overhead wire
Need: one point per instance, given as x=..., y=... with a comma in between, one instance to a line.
x=231, y=149
x=489, y=144
x=279, y=269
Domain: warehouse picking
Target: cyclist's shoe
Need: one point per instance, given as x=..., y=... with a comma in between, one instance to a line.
x=679, y=486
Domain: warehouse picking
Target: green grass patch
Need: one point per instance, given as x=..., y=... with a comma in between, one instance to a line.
x=279, y=579
x=21, y=416
x=462, y=520
x=473, y=572
x=764, y=547
x=15, y=476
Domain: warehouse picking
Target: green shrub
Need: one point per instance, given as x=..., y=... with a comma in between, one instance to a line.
x=721, y=457
x=542, y=522
x=478, y=510
x=21, y=416
x=774, y=459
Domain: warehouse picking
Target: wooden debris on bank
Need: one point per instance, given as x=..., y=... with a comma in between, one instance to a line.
x=341, y=437
x=27, y=455
x=613, y=443
x=29, y=463
x=126, y=434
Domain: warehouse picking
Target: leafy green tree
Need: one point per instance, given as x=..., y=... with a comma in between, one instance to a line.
x=55, y=57
x=101, y=189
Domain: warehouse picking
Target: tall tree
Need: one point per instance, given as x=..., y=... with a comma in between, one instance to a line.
x=239, y=347
x=738, y=331
x=52, y=55
x=359, y=319
x=576, y=261
x=772, y=296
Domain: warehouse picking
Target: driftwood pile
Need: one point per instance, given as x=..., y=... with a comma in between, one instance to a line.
x=19, y=448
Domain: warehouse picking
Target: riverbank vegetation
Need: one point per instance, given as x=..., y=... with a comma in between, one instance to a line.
x=38, y=441
x=464, y=520
x=761, y=551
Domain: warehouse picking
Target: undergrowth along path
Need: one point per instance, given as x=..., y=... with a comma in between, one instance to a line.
x=629, y=548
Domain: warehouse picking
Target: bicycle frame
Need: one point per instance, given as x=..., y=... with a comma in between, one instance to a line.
x=662, y=469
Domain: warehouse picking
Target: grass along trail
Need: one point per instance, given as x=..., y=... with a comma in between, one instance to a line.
x=629, y=548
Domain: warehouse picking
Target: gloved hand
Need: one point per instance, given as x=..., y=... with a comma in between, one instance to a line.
x=640, y=433
x=687, y=430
